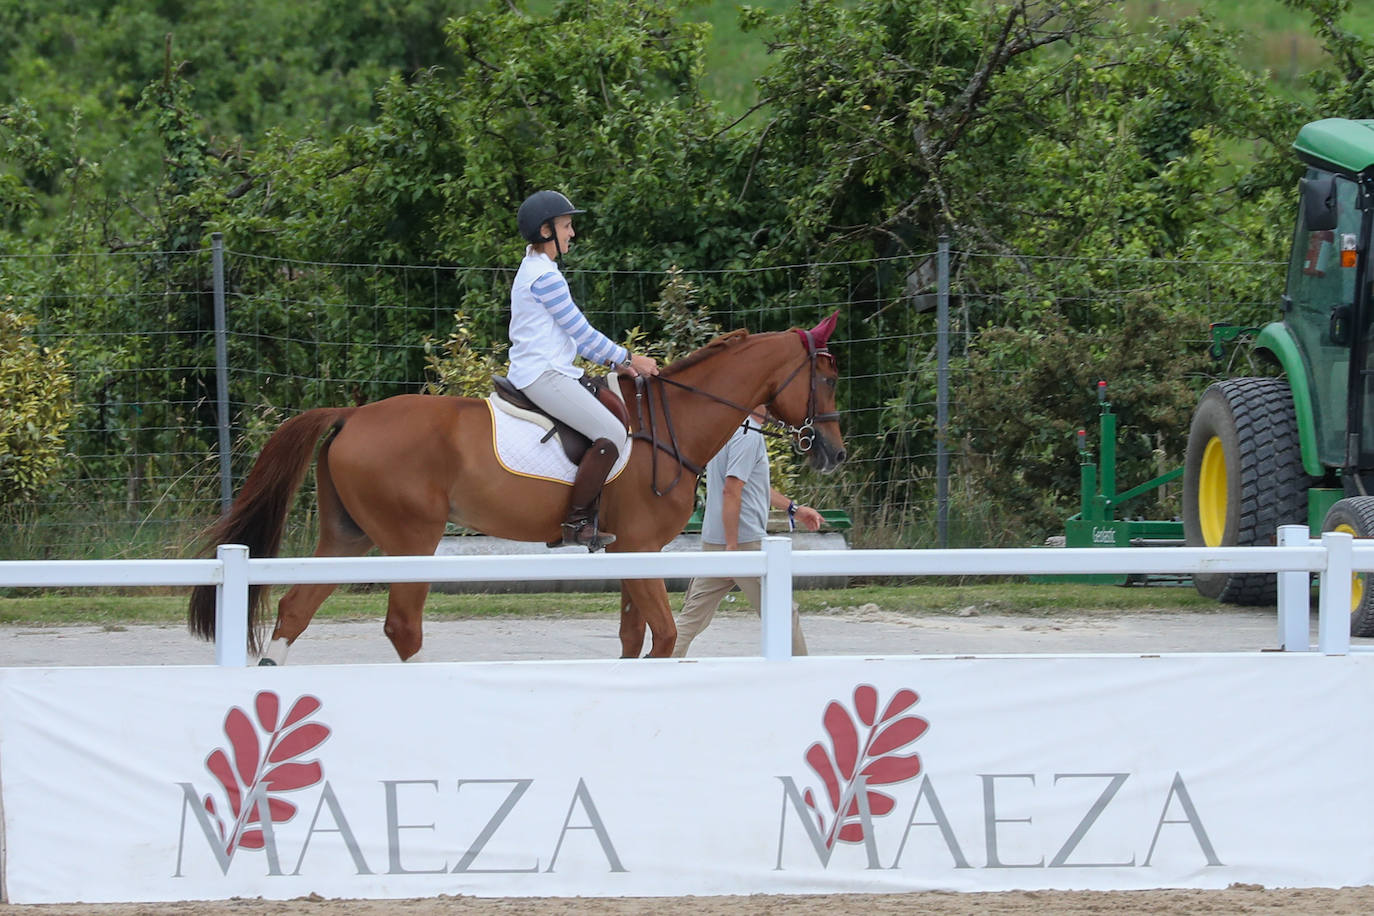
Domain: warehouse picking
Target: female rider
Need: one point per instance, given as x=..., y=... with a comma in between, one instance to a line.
x=547, y=330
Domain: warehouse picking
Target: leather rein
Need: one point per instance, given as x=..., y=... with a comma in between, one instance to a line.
x=803, y=436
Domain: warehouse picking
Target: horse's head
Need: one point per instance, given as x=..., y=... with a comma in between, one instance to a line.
x=805, y=400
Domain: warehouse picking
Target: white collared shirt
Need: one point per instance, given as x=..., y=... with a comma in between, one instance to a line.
x=547, y=329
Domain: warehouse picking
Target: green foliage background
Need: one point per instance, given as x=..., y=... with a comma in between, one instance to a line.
x=35, y=408
x=1041, y=136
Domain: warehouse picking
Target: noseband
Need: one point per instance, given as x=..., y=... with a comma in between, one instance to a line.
x=803, y=436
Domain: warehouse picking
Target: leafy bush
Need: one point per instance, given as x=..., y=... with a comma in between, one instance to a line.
x=1019, y=432
x=35, y=408
x=456, y=367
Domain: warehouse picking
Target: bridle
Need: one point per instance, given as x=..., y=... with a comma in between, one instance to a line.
x=803, y=436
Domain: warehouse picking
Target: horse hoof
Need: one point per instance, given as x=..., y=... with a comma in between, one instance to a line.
x=266, y=663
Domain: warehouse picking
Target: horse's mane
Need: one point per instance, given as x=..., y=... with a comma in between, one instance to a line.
x=705, y=352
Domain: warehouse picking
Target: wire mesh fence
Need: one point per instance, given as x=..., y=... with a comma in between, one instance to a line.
x=139, y=473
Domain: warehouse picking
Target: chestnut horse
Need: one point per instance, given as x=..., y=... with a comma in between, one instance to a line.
x=391, y=474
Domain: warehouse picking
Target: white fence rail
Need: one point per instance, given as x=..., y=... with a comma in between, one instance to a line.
x=1334, y=558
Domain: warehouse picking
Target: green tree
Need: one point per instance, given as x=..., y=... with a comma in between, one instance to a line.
x=1041, y=136
x=1046, y=135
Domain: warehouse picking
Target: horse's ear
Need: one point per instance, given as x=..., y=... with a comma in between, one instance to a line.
x=821, y=332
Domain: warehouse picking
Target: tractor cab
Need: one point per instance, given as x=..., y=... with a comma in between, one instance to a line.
x=1326, y=306
x=1298, y=448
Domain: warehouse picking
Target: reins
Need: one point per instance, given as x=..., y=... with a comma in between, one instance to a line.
x=645, y=405
x=803, y=436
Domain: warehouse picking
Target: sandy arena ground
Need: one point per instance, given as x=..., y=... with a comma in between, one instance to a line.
x=862, y=630
x=1231, y=902
x=848, y=631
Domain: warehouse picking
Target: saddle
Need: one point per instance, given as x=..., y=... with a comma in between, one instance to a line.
x=574, y=444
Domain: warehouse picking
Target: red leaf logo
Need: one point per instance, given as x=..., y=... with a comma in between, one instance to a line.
x=863, y=750
x=262, y=761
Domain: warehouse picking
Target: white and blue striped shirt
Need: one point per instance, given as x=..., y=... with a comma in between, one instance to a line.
x=547, y=329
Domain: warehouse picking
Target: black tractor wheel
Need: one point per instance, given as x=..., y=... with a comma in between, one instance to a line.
x=1243, y=477
x=1355, y=516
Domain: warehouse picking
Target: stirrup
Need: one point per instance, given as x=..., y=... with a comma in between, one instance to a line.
x=584, y=534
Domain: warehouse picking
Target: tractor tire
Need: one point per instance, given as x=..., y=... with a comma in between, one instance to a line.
x=1242, y=479
x=1355, y=515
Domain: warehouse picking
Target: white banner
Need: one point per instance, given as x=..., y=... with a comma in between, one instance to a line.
x=644, y=778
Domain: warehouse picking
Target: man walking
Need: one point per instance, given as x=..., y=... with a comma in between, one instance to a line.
x=735, y=517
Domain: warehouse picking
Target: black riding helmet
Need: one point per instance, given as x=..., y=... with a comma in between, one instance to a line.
x=538, y=211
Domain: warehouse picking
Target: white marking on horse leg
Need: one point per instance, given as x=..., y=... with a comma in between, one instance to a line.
x=416, y=657
x=276, y=651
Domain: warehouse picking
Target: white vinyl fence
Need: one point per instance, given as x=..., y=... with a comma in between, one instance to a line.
x=1334, y=558
x=619, y=778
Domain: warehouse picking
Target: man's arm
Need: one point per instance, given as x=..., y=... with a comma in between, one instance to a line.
x=810, y=518
x=731, y=498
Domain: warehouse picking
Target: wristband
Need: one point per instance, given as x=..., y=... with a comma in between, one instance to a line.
x=791, y=515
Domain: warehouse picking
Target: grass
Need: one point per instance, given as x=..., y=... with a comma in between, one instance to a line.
x=1273, y=38
x=733, y=59
x=48, y=608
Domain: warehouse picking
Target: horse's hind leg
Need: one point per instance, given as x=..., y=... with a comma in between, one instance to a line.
x=340, y=536
x=298, y=606
x=406, y=604
x=294, y=613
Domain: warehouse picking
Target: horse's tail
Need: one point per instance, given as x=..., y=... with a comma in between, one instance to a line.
x=258, y=516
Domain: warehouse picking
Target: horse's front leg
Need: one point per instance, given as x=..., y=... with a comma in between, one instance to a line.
x=631, y=624
x=646, y=601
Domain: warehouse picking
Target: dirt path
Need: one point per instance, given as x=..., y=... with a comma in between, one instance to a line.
x=860, y=630
x=1233, y=900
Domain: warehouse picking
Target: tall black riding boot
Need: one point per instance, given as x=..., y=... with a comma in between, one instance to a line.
x=580, y=527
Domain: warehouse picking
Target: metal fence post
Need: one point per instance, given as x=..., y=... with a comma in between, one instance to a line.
x=226, y=483
x=776, y=596
x=942, y=394
x=1333, y=605
x=231, y=607
x=1295, y=596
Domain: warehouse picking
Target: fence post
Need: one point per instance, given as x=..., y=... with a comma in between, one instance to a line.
x=776, y=596
x=226, y=483
x=1295, y=596
x=1333, y=605
x=942, y=394
x=231, y=607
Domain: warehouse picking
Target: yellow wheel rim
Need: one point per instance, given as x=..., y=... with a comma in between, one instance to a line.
x=1357, y=579
x=1212, y=493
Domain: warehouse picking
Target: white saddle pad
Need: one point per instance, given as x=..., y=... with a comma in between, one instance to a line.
x=519, y=450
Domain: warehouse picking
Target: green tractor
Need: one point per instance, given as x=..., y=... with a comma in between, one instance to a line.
x=1299, y=449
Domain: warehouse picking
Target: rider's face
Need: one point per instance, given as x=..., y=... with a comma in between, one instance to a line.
x=563, y=228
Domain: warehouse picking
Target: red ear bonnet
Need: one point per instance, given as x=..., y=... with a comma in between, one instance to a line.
x=821, y=332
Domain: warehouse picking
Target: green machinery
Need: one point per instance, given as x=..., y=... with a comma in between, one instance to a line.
x=1297, y=447
x=1096, y=524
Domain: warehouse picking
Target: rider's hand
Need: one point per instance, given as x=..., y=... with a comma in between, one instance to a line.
x=640, y=365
